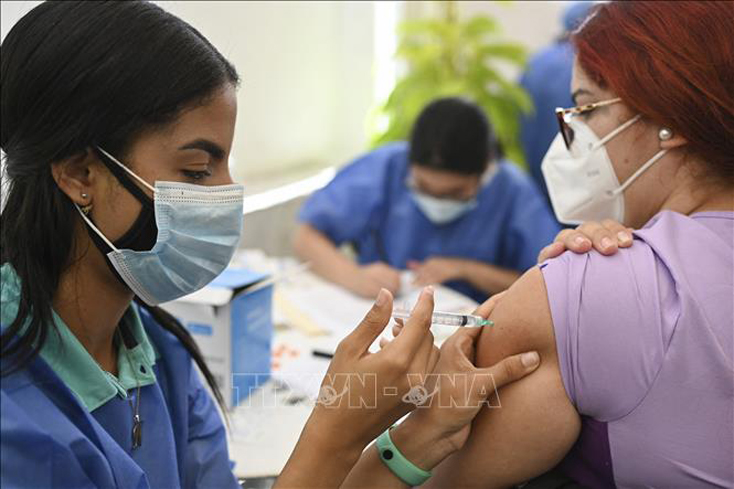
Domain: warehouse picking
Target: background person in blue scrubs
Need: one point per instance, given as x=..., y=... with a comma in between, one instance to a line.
x=444, y=206
x=547, y=79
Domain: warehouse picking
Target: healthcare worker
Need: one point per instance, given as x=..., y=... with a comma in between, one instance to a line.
x=117, y=123
x=445, y=206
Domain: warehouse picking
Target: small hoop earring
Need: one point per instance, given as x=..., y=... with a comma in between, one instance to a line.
x=665, y=134
x=87, y=209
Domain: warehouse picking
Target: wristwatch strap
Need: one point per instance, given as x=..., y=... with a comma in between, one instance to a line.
x=403, y=468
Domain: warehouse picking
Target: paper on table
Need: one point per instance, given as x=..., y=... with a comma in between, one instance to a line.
x=337, y=311
x=263, y=433
x=294, y=366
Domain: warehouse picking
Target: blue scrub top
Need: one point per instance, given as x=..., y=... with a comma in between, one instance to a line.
x=370, y=205
x=548, y=81
x=49, y=439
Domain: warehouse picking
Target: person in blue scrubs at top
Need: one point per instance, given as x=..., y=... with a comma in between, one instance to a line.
x=546, y=79
x=444, y=205
x=117, y=125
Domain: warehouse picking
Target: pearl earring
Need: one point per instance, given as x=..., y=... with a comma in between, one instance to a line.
x=86, y=209
x=665, y=134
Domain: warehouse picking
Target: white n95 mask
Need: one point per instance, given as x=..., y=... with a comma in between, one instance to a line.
x=581, y=181
x=442, y=211
x=198, y=229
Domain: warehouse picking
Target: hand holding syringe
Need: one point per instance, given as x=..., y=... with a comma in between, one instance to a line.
x=448, y=318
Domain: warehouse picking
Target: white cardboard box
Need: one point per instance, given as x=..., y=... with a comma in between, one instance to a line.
x=231, y=320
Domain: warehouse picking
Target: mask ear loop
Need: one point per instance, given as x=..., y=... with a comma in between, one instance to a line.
x=94, y=228
x=615, y=132
x=639, y=172
x=128, y=170
x=489, y=174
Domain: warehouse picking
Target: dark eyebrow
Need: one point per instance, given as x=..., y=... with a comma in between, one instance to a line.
x=580, y=91
x=216, y=151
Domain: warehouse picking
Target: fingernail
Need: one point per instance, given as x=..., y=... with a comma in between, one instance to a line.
x=624, y=237
x=429, y=290
x=606, y=243
x=529, y=359
x=381, y=298
x=580, y=240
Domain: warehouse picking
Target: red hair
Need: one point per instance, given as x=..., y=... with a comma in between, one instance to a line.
x=672, y=62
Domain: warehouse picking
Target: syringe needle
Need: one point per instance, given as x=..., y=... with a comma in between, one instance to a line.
x=448, y=318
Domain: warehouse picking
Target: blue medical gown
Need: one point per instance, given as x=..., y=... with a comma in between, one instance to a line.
x=50, y=440
x=369, y=205
x=548, y=81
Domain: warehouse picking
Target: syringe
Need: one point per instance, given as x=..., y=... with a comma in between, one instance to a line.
x=448, y=318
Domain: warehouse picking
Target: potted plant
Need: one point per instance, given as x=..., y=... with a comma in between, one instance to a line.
x=447, y=56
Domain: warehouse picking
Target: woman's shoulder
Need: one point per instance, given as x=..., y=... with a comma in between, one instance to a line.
x=571, y=273
x=613, y=318
x=10, y=288
x=689, y=244
x=387, y=158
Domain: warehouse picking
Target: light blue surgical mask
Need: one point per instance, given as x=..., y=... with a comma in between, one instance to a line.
x=442, y=211
x=198, y=231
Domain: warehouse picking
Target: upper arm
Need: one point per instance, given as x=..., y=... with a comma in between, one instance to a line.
x=613, y=320
x=532, y=424
x=602, y=326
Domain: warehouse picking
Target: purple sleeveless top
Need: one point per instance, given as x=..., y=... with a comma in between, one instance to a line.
x=645, y=348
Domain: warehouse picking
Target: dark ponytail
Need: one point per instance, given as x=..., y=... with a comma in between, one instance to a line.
x=76, y=75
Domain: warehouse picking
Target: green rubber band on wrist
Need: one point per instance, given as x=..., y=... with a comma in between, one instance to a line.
x=403, y=468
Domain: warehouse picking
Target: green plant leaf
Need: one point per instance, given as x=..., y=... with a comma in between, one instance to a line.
x=508, y=51
x=446, y=57
x=479, y=26
x=422, y=27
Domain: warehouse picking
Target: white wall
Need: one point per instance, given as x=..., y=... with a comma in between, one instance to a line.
x=12, y=11
x=534, y=24
x=307, y=78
